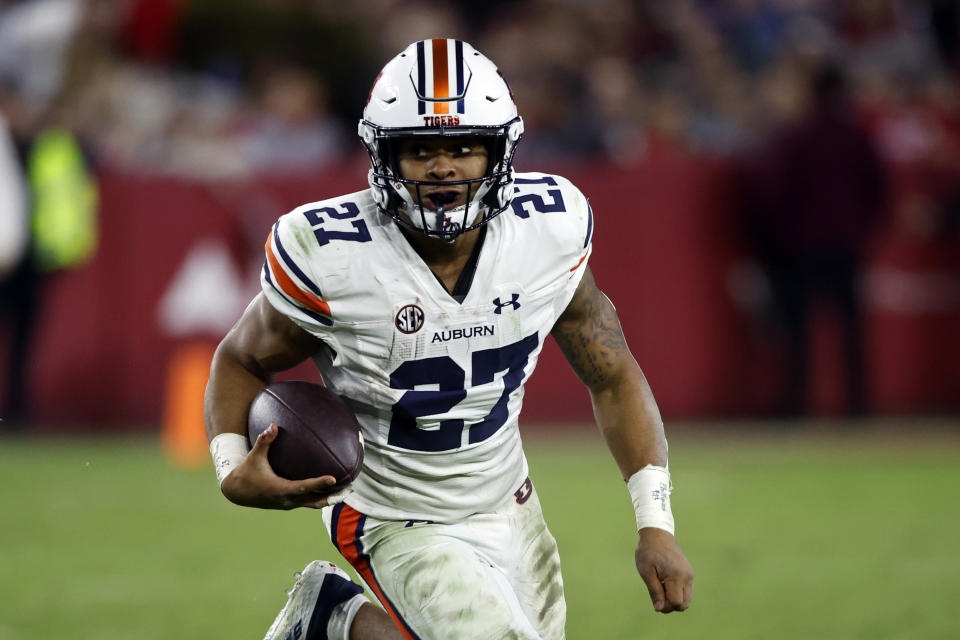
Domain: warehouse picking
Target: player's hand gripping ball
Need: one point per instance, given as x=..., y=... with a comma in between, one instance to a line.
x=318, y=433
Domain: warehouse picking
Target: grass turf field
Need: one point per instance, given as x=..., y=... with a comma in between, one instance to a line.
x=794, y=533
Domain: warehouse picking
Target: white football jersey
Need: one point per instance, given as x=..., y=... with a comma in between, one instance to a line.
x=436, y=384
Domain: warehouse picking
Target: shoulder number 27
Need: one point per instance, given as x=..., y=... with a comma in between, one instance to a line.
x=350, y=210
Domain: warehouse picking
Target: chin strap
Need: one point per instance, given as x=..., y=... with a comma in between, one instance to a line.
x=449, y=230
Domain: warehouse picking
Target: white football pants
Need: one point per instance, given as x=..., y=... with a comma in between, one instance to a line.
x=489, y=576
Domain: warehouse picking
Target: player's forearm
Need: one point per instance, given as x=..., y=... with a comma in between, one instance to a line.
x=591, y=338
x=630, y=422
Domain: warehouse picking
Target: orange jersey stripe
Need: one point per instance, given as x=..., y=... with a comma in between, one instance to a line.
x=349, y=549
x=289, y=287
x=441, y=82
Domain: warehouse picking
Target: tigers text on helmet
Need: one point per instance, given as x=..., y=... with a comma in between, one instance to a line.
x=440, y=87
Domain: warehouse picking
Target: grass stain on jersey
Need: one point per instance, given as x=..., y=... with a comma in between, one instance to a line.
x=305, y=239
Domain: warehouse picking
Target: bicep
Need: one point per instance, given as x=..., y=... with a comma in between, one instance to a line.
x=264, y=341
x=588, y=333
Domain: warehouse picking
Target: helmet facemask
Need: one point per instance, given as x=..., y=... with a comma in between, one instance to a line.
x=403, y=199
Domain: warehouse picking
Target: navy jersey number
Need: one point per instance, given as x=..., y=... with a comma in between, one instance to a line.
x=350, y=210
x=449, y=378
x=539, y=204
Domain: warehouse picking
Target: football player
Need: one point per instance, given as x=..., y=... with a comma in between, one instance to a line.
x=425, y=301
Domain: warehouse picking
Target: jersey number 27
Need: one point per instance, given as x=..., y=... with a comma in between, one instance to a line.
x=449, y=378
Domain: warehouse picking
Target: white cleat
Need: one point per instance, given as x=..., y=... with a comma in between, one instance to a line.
x=295, y=617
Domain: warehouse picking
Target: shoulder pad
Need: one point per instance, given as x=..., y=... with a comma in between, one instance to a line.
x=319, y=234
x=558, y=208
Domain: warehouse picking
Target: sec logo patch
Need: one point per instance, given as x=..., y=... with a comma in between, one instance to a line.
x=409, y=319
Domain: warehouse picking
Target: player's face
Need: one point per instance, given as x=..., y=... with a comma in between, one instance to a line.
x=442, y=159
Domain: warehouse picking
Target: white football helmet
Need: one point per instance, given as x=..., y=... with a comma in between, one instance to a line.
x=441, y=87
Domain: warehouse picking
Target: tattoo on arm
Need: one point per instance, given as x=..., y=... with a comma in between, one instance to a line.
x=590, y=336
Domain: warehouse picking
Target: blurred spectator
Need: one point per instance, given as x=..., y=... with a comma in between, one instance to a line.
x=62, y=233
x=49, y=198
x=166, y=82
x=615, y=91
x=15, y=275
x=231, y=39
x=818, y=193
x=945, y=25
x=412, y=20
x=219, y=90
x=57, y=206
x=545, y=54
x=34, y=36
x=13, y=206
x=292, y=129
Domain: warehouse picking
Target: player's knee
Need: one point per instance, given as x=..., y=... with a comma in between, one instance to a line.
x=448, y=592
x=431, y=577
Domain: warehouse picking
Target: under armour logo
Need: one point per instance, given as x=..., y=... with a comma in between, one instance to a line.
x=513, y=303
x=524, y=492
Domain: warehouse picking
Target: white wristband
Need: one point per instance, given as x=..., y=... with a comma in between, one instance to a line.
x=228, y=451
x=650, y=491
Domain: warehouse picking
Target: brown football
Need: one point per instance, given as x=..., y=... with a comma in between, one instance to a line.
x=319, y=434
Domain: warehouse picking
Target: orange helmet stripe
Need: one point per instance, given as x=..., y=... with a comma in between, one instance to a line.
x=441, y=75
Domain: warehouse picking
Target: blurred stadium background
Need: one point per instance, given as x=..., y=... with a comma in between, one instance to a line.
x=777, y=194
